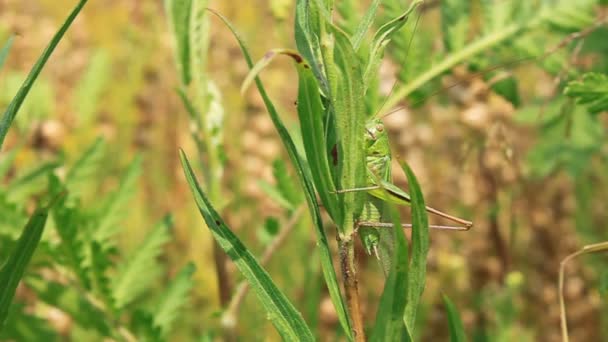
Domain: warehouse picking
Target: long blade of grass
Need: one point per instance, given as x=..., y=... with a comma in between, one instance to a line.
x=454, y=322
x=5, y=50
x=324, y=251
x=287, y=320
x=13, y=107
x=12, y=271
x=420, y=249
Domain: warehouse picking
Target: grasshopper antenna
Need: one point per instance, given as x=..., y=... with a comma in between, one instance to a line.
x=407, y=52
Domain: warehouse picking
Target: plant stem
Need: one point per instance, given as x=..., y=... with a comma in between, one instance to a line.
x=452, y=60
x=349, y=277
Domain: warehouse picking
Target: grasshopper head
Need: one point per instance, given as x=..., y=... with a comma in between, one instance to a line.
x=378, y=149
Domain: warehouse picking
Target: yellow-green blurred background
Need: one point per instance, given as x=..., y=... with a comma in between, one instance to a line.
x=114, y=76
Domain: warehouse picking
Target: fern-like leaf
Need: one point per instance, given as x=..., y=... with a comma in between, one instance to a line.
x=115, y=206
x=167, y=309
x=100, y=264
x=140, y=270
x=73, y=246
x=591, y=90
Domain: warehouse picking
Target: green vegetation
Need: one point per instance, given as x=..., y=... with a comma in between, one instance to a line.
x=494, y=110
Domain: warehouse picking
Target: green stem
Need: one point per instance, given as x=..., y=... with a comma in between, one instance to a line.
x=451, y=60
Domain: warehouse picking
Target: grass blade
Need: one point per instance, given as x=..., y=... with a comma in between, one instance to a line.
x=324, y=251
x=455, y=323
x=13, y=107
x=389, y=317
x=5, y=50
x=420, y=249
x=12, y=271
x=286, y=319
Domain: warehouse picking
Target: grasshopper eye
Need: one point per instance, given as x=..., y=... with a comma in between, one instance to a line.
x=379, y=127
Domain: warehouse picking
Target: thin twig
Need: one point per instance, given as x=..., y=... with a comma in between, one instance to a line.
x=229, y=316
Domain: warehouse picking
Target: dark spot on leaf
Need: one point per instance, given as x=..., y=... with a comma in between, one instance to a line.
x=334, y=155
x=218, y=222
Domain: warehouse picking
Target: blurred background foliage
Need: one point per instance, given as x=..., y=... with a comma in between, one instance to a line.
x=505, y=149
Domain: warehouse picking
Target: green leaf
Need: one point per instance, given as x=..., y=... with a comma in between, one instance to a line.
x=113, y=210
x=591, y=90
x=420, y=249
x=455, y=323
x=167, y=310
x=303, y=175
x=13, y=107
x=14, y=268
x=69, y=225
x=455, y=16
x=140, y=270
x=178, y=14
x=100, y=264
x=389, y=324
x=381, y=38
x=348, y=103
x=286, y=319
x=365, y=24
x=5, y=50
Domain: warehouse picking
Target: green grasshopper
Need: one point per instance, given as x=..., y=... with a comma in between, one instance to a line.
x=380, y=190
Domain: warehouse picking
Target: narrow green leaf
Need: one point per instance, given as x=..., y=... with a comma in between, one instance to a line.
x=178, y=14
x=348, y=100
x=140, y=270
x=389, y=324
x=420, y=248
x=365, y=24
x=455, y=323
x=13, y=269
x=5, y=50
x=381, y=38
x=13, y=107
x=311, y=125
x=324, y=251
x=286, y=319
x=174, y=297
